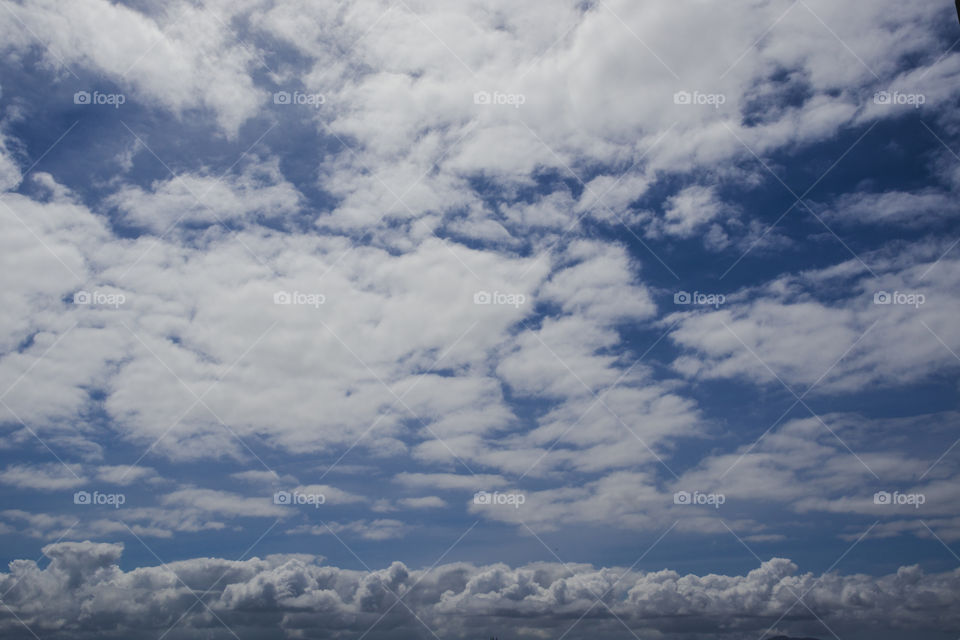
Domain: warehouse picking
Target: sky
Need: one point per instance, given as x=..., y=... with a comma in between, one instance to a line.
x=430, y=319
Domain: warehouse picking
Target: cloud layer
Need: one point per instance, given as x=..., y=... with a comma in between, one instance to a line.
x=82, y=593
x=377, y=270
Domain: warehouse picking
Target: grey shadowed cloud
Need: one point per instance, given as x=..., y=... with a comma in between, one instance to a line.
x=82, y=593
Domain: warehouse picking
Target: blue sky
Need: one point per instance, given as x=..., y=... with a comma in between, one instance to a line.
x=600, y=260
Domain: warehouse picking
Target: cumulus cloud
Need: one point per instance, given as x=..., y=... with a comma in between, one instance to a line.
x=689, y=210
x=83, y=593
x=835, y=329
x=259, y=192
x=10, y=175
x=187, y=391
x=182, y=58
x=454, y=286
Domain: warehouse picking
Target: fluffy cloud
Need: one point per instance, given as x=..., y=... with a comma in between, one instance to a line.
x=83, y=593
x=446, y=276
x=689, y=210
x=182, y=58
x=185, y=390
x=184, y=201
x=10, y=174
x=56, y=476
x=410, y=117
x=828, y=329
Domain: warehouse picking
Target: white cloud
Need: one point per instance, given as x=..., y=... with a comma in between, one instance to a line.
x=405, y=97
x=10, y=175
x=379, y=529
x=399, y=363
x=83, y=592
x=332, y=495
x=187, y=200
x=911, y=209
x=47, y=477
x=824, y=327
x=449, y=481
x=224, y=503
x=424, y=502
x=263, y=478
x=124, y=474
x=184, y=57
x=690, y=209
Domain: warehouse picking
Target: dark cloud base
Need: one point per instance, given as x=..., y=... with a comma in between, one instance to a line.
x=82, y=593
